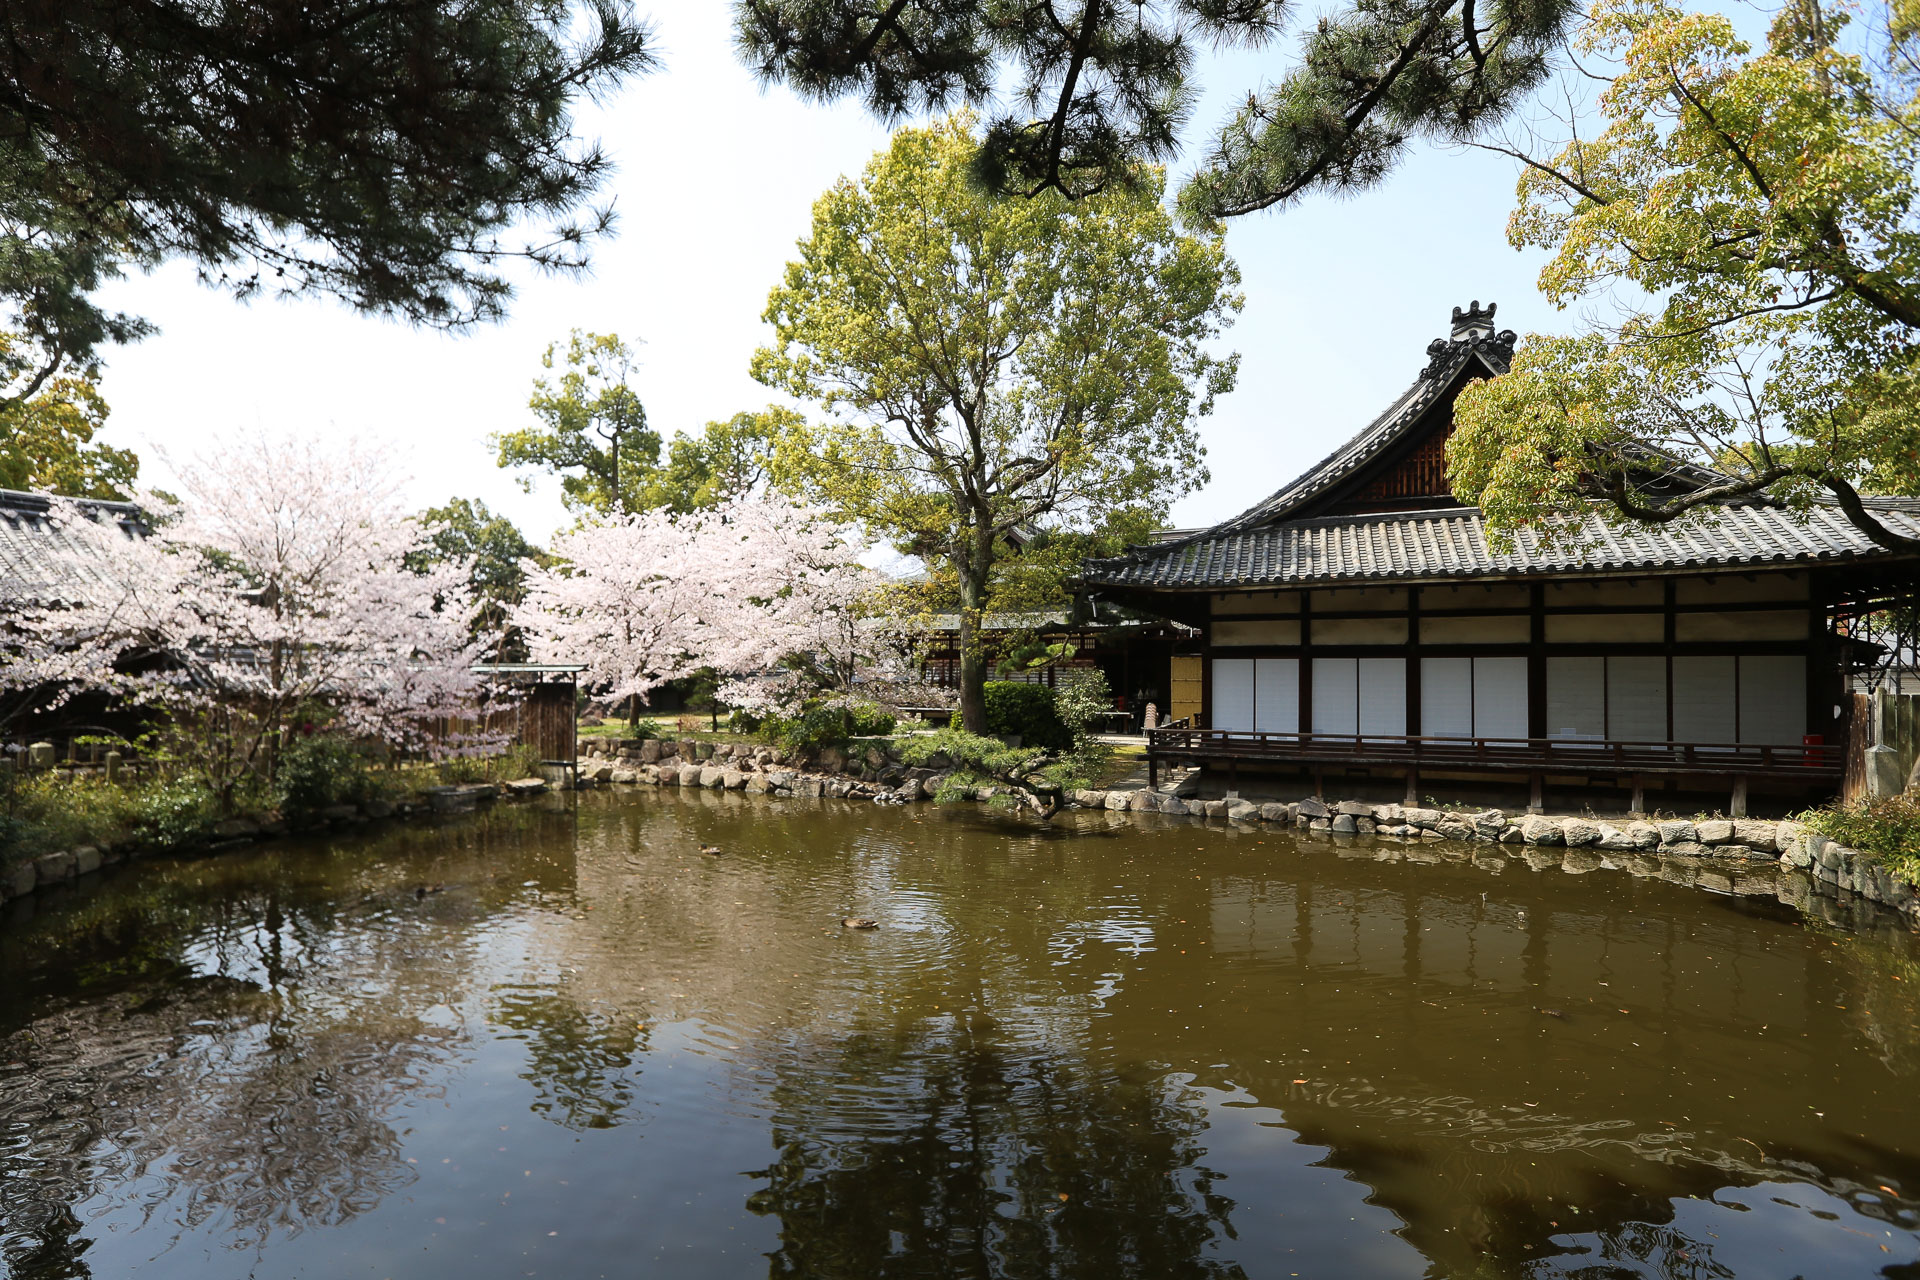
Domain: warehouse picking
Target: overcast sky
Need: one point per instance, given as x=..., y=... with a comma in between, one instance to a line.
x=714, y=185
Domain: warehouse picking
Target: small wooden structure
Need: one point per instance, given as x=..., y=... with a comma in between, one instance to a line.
x=548, y=715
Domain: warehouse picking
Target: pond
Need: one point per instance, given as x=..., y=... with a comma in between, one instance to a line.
x=559, y=1040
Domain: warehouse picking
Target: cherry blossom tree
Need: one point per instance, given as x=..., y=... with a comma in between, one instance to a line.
x=752, y=585
x=274, y=588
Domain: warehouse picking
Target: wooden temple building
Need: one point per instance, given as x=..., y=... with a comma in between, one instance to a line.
x=1359, y=624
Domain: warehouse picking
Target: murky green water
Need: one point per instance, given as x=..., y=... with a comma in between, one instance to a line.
x=1095, y=1050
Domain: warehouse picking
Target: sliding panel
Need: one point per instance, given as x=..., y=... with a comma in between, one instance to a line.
x=1637, y=699
x=1500, y=698
x=1703, y=699
x=1773, y=699
x=1276, y=695
x=1383, y=696
x=1232, y=694
x=1577, y=698
x=1336, y=701
x=1446, y=697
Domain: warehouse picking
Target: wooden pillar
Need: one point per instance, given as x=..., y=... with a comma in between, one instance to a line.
x=1638, y=809
x=1738, y=806
x=1537, y=802
x=1413, y=787
x=1319, y=785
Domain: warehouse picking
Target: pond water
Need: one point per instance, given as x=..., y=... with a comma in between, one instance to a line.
x=558, y=1040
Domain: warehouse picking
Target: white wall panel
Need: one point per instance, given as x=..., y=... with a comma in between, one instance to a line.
x=1703, y=699
x=1637, y=699
x=1577, y=698
x=1773, y=699
x=1500, y=697
x=1383, y=696
x=1336, y=696
x=1446, y=697
x=1276, y=695
x=1232, y=693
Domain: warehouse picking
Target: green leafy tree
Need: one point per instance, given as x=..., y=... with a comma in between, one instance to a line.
x=496, y=553
x=47, y=426
x=590, y=416
x=730, y=458
x=1096, y=87
x=994, y=365
x=386, y=154
x=1766, y=199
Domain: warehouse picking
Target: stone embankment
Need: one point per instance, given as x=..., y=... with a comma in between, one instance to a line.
x=1711, y=853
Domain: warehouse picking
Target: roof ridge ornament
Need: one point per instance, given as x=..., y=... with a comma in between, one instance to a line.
x=1472, y=330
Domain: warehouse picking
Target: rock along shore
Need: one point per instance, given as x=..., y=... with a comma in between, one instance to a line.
x=1722, y=855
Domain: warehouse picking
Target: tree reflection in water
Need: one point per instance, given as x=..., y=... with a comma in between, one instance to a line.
x=583, y=1065
x=931, y=1146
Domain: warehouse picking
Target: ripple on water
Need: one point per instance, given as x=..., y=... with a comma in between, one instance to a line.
x=1109, y=1046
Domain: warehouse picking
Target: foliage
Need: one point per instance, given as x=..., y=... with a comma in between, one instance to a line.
x=1767, y=200
x=1081, y=703
x=588, y=414
x=647, y=598
x=974, y=761
x=48, y=420
x=383, y=154
x=321, y=770
x=827, y=722
x=1070, y=364
x=51, y=811
x=1026, y=711
x=517, y=761
x=277, y=586
x=1092, y=89
x=1888, y=829
x=495, y=554
x=727, y=460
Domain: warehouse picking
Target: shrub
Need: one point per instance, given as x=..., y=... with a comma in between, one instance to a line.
x=174, y=811
x=828, y=723
x=517, y=761
x=1888, y=829
x=1026, y=710
x=319, y=771
x=976, y=761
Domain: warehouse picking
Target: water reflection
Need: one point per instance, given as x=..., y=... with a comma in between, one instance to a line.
x=565, y=1043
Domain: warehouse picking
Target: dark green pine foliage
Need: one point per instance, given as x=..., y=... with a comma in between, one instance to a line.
x=1103, y=85
x=386, y=153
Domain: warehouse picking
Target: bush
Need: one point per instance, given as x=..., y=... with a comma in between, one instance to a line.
x=518, y=761
x=175, y=811
x=1888, y=829
x=976, y=761
x=1026, y=710
x=828, y=723
x=56, y=811
x=319, y=771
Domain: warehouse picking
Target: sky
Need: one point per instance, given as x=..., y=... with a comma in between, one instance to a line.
x=714, y=183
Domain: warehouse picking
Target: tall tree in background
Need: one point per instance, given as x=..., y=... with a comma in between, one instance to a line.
x=494, y=554
x=385, y=154
x=994, y=365
x=727, y=459
x=1768, y=200
x=47, y=426
x=1098, y=86
x=593, y=431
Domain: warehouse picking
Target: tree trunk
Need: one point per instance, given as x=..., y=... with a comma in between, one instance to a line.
x=973, y=573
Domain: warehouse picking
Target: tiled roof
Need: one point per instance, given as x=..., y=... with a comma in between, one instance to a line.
x=34, y=552
x=1448, y=361
x=1452, y=543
